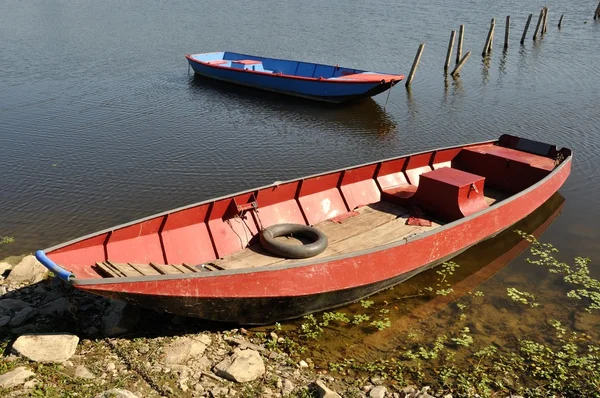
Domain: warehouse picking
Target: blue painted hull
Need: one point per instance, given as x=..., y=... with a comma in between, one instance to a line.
x=300, y=79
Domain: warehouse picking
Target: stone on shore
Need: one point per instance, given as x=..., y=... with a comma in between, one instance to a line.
x=28, y=270
x=119, y=318
x=377, y=392
x=15, y=377
x=46, y=347
x=84, y=373
x=241, y=366
x=325, y=392
x=21, y=317
x=9, y=304
x=56, y=307
x=182, y=350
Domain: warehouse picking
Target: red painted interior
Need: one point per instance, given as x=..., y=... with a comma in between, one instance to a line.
x=138, y=243
x=186, y=238
x=358, y=186
x=417, y=165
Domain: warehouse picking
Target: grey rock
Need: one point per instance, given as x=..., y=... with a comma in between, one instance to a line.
x=117, y=393
x=15, y=377
x=182, y=350
x=378, y=392
x=288, y=387
x=119, y=318
x=9, y=304
x=30, y=384
x=241, y=366
x=4, y=320
x=325, y=392
x=29, y=270
x=83, y=373
x=57, y=307
x=204, y=339
x=377, y=381
x=46, y=347
x=21, y=317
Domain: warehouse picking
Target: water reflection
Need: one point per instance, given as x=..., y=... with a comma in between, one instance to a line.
x=407, y=306
x=366, y=115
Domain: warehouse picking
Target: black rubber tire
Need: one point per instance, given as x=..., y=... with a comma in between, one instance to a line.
x=268, y=240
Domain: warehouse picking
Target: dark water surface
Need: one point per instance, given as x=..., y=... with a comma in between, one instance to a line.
x=100, y=122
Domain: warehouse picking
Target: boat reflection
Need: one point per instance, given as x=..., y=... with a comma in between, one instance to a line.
x=407, y=308
x=363, y=116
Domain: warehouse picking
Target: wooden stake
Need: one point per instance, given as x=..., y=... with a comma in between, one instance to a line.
x=597, y=12
x=545, y=21
x=449, y=54
x=461, y=64
x=411, y=75
x=507, y=32
x=461, y=35
x=538, y=24
x=490, y=37
x=526, y=28
x=560, y=21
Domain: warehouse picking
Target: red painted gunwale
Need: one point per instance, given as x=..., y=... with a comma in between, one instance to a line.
x=376, y=79
x=303, y=278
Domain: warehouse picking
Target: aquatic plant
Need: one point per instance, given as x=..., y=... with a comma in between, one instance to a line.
x=6, y=239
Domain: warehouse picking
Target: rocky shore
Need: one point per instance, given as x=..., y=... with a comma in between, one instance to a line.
x=59, y=341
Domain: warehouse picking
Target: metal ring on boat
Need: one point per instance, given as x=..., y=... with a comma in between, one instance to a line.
x=268, y=240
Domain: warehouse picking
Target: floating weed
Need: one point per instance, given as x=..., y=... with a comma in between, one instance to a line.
x=521, y=297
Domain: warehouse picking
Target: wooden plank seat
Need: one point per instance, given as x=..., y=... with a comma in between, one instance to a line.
x=116, y=270
x=504, y=169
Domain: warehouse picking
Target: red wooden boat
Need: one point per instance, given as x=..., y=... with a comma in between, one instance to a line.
x=357, y=231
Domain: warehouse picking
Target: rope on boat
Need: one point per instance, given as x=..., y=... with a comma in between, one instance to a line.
x=388, y=96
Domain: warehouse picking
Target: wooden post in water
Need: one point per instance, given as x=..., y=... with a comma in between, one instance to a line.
x=449, y=54
x=560, y=21
x=507, y=32
x=490, y=37
x=597, y=12
x=411, y=75
x=461, y=64
x=461, y=35
x=545, y=21
x=538, y=24
x=526, y=28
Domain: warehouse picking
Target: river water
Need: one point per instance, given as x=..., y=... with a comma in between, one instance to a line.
x=101, y=123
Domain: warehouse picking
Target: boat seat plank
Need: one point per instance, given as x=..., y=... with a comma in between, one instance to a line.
x=165, y=269
x=144, y=269
x=108, y=271
x=124, y=269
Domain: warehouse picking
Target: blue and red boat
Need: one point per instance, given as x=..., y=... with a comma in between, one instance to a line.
x=330, y=83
